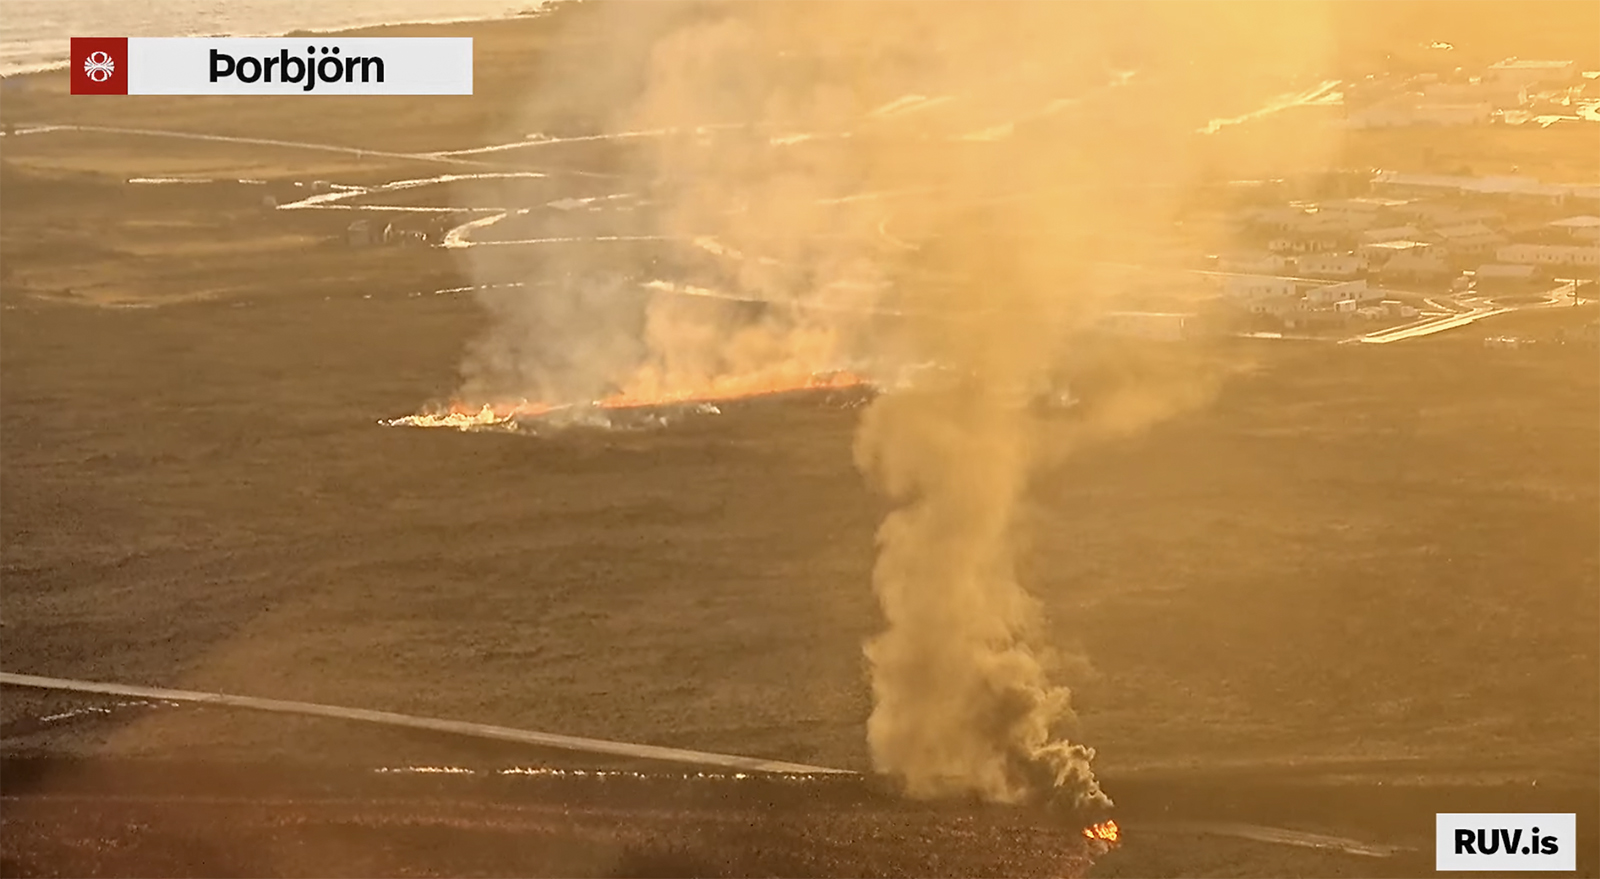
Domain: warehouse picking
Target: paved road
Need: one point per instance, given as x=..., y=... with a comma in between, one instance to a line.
x=290, y=144
x=480, y=730
x=1316, y=94
x=1477, y=309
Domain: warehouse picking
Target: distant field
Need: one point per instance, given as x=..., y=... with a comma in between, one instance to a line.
x=1560, y=154
x=1292, y=580
x=1546, y=324
x=1296, y=573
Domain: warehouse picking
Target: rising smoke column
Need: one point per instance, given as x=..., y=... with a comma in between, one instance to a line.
x=962, y=166
x=705, y=89
x=962, y=704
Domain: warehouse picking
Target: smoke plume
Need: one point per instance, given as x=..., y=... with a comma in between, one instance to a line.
x=882, y=186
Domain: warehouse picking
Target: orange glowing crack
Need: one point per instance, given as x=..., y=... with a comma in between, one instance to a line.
x=1105, y=831
x=718, y=390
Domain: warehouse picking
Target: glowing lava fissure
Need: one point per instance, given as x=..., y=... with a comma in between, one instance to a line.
x=465, y=416
x=718, y=390
x=1105, y=831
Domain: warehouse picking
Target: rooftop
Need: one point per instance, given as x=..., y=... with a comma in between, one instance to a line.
x=1390, y=233
x=1528, y=64
x=1466, y=230
x=1504, y=270
x=1402, y=244
x=1487, y=185
x=1370, y=201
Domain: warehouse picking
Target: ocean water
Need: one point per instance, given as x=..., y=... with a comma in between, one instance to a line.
x=36, y=34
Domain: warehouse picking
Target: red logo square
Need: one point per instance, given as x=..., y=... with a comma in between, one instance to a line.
x=99, y=65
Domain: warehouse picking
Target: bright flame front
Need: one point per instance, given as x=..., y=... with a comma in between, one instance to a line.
x=1105, y=831
x=466, y=416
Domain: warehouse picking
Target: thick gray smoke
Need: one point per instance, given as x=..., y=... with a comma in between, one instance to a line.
x=898, y=184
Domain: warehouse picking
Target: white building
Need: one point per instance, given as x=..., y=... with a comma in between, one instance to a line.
x=1579, y=227
x=1391, y=233
x=1304, y=244
x=1575, y=255
x=1352, y=215
x=1331, y=265
x=1377, y=253
x=1425, y=265
x=1255, y=263
x=1531, y=72
x=1450, y=216
x=1363, y=207
x=1520, y=188
x=1525, y=189
x=1285, y=309
x=1259, y=287
x=1470, y=239
x=1330, y=294
x=1501, y=276
x=1296, y=218
x=1448, y=213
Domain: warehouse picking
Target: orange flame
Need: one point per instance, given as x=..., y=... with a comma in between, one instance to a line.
x=724, y=388
x=1105, y=831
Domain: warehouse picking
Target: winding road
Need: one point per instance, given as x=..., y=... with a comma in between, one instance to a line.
x=441, y=158
x=1477, y=309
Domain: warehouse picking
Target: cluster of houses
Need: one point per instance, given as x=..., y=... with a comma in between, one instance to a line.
x=1514, y=91
x=1298, y=302
x=1420, y=234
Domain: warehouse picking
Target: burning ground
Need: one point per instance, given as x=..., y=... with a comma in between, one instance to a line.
x=615, y=410
x=983, y=273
